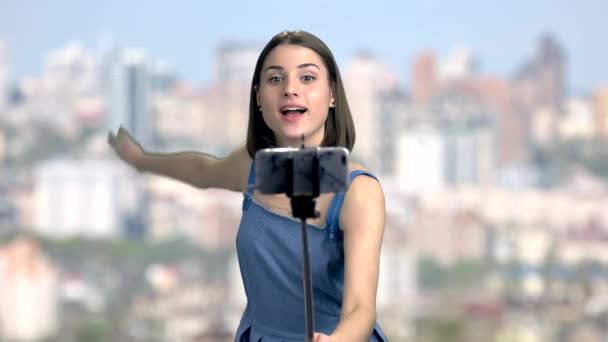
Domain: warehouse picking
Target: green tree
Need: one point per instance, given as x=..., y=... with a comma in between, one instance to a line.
x=93, y=330
x=431, y=274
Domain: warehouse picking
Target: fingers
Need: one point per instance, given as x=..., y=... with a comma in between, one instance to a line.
x=114, y=139
x=319, y=337
x=123, y=134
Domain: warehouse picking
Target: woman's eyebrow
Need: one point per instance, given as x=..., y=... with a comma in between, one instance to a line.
x=304, y=65
x=300, y=66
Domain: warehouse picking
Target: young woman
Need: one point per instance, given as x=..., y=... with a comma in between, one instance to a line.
x=296, y=92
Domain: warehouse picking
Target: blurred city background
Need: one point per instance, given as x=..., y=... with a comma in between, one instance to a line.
x=486, y=123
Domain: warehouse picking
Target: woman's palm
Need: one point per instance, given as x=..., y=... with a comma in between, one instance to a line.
x=125, y=146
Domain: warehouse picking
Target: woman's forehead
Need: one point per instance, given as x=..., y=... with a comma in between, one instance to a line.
x=293, y=56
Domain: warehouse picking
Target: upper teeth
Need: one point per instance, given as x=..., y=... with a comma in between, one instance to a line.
x=293, y=108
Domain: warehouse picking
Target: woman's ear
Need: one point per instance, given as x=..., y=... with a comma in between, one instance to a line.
x=257, y=96
x=332, y=101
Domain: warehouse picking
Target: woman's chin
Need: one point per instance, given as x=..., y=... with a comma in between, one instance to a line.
x=290, y=142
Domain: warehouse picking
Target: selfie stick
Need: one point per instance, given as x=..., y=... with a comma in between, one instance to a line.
x=303, y=207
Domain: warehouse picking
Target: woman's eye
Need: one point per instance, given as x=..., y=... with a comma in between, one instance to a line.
x=308, y=78
x=274, y=79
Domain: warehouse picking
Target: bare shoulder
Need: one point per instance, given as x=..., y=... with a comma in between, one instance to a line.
x=364, y=201
x=363, y=188
x=365, y=180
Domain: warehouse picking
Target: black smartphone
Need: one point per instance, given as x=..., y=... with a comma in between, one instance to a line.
x=301, y=171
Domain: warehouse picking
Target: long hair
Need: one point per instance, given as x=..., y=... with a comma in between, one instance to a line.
x=339, y=126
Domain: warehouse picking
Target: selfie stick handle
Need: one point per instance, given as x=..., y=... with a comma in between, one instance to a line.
x=308, y=305
x=303, y=207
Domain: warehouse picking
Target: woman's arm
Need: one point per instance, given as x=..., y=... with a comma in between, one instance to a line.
x=362, y=219
x=197, y=169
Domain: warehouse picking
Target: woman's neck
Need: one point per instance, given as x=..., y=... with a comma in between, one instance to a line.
x=307, y=142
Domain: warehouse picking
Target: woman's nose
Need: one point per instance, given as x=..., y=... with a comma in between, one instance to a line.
x=291, y=88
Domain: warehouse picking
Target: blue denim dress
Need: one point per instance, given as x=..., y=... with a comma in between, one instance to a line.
x=269, y=248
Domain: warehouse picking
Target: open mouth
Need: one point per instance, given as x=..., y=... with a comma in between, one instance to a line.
x=287, y=111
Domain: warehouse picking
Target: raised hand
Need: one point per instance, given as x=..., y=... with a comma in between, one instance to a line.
x=126, y=147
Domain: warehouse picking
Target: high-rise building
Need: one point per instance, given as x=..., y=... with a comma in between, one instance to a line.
x=424, y=77
x=393, y=107
x=543, y=75
x=470, y=152
x=181, y=117
x=366, y=79
x=420, y=160
x=600, y=111
x=163, y=78
x=550, y=72
x=453, y=141
x=91, y=198
x=69, y=72
x=69, y=91
x=29, y=296
x=512, y=127
x=128, y=86
x=578, y=120
x=543, y=127
x=229, y=98
x=4, y=75
x=459, y=65
x=397, y=280
x=235, y=62
x=3, y=147
x=538, y=90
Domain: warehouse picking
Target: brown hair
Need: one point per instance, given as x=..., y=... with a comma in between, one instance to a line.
x=339, y=126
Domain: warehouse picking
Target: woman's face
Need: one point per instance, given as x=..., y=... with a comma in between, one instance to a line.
x=295, y=95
